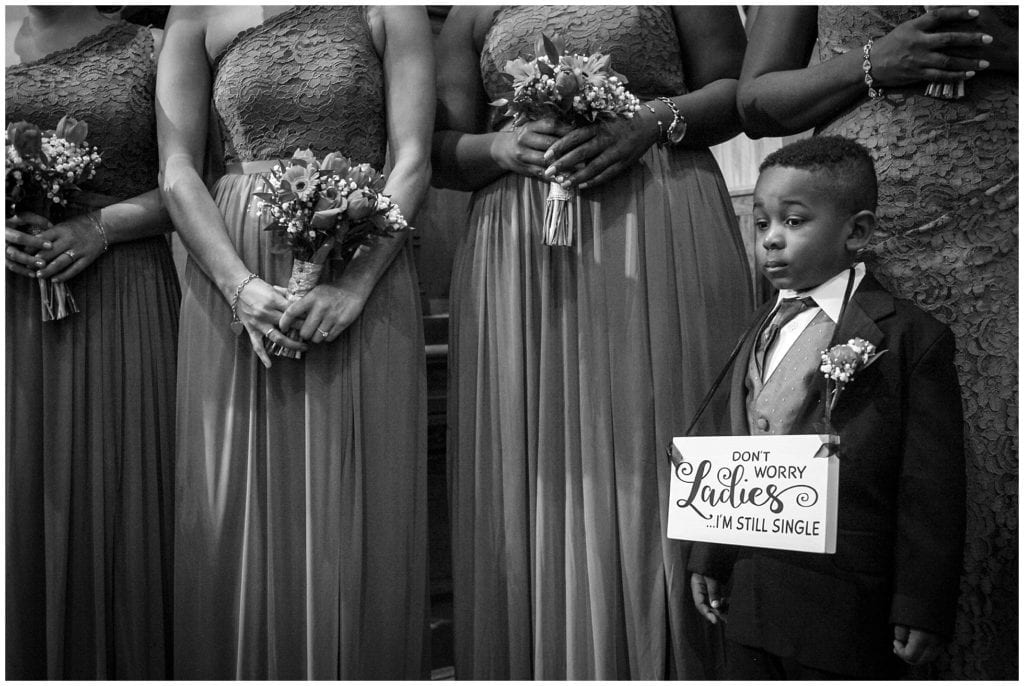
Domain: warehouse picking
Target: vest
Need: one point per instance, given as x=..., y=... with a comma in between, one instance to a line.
x=791, y=399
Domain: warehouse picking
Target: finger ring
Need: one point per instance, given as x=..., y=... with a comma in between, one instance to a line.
x=268, y=332
x=70, y=253
x=323, y=333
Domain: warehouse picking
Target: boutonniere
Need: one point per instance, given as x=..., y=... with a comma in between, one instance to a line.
x=840, y=363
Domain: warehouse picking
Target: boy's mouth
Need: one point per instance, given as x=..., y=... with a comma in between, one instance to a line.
x=772, y=266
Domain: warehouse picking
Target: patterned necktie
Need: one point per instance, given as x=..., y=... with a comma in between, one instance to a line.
x=788, y=308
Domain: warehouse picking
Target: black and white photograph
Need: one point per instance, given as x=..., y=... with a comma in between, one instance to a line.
x=511, y=342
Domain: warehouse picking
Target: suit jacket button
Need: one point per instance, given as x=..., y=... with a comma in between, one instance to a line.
x=762, y=423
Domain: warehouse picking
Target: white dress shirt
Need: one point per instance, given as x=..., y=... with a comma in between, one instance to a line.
x=828, y=297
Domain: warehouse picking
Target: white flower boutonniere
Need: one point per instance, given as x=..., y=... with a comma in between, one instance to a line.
x=839, y=364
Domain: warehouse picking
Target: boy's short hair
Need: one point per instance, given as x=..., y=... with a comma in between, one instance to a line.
x=847, y=164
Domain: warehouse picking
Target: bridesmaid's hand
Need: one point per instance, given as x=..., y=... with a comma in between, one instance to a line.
x=74, y=245
x=600, y=152
x=23, y=246
x=325, y=312
x=260, y=307
x=521, y=150
x=943, y=44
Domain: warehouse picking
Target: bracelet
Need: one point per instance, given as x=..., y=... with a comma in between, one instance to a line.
x=236, y=323
x=677, y=129
x=866, y=66
x=100, y=229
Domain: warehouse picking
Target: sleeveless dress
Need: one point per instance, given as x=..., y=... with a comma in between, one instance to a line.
x=572, y=370
x=301, y=501
x=947, y=240
x=90, y=400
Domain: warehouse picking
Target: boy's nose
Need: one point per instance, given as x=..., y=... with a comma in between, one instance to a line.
x=772, y=239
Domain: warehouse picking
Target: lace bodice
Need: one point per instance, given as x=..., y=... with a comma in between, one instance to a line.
x=948, y=240
x=106, y=80
x=308, y=77
x=641, y=40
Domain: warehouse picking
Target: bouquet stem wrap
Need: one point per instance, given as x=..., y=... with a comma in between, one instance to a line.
x=558, y=229
x=55, y=298
x=305, y=275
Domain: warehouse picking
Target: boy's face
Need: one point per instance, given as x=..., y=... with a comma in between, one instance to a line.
x=802, y=230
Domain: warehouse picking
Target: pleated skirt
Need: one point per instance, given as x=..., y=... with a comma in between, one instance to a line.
x=572, y=369
x=301, y=490
x=90, y=471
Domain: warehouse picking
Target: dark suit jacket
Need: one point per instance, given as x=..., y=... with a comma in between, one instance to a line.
x=901, y=505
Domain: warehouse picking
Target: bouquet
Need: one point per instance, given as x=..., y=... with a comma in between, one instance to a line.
x=573, y=89
x=42, y=169
x=320, y=210
x=839, y=363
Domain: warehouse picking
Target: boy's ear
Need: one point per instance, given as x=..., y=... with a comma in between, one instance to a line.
x=862, y=226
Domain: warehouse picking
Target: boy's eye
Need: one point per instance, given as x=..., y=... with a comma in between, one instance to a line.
x=794, y=221
x=760, y=224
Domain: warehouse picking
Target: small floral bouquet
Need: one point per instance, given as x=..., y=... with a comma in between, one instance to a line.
x=573, y=89
x=839, y=363
x=43, y=168
x=320, y=210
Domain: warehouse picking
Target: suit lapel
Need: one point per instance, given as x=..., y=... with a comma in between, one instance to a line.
x=869, y=304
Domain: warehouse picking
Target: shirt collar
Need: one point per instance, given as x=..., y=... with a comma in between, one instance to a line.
x=829, y=295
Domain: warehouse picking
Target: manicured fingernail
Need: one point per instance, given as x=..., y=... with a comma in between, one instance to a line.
x=972, y=13
x=39, y=264
x=716, y=603
x=987, y=39
x=984, y=64
x=550, y=171
x=47, y=245
x=548, y=155
x=969, y=75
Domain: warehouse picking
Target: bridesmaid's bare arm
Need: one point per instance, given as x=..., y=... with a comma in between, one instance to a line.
x=466, y=156
x=182, y=105
x=779, y=94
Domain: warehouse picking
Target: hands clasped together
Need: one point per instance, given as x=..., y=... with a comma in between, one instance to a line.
x=38, y=249
x=575, y=157
x=320, y=316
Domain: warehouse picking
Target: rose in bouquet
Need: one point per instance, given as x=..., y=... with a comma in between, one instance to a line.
x=839, y=364
x=573, y=89
x=42, y=171
x=322, y=212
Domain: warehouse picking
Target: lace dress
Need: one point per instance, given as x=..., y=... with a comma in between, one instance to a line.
x=947, y=240
x=573, y=368
x=301, y=502
x=90, y=400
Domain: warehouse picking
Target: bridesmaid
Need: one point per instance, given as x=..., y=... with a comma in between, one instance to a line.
x=948, y=231
x=301, y=501
x=573, y=368
x=90, y=398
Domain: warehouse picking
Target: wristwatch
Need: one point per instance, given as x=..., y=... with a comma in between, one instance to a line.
x=677, y=129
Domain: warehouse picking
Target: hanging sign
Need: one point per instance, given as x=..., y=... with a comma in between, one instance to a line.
x=762, y=491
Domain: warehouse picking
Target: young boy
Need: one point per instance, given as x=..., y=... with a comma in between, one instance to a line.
x=890, y=589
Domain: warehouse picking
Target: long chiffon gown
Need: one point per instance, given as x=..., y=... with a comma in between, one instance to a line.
x=301, y=501
x=90, y=399
x=572, y=370
x=948, y=241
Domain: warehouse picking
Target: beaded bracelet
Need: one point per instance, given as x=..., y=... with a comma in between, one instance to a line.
x=236, y=323
x=866, y=66
x=100, y=229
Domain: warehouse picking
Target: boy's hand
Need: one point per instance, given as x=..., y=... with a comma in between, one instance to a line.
x=707, y=597
x=915, y=646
